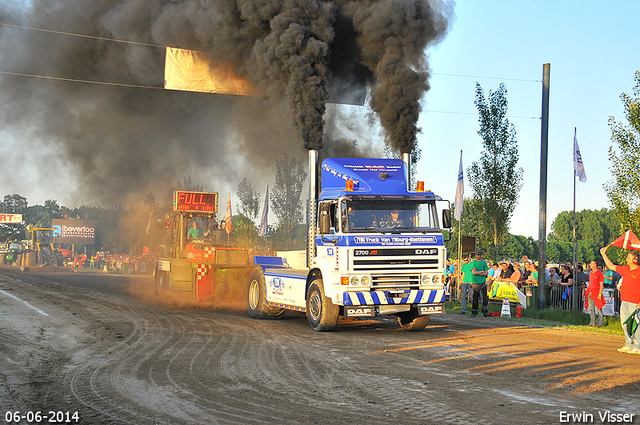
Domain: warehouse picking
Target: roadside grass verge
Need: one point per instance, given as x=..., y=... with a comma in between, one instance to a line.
x=550, y=318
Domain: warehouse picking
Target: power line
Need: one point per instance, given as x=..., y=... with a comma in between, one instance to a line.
x=160, y=46
x=75, y=80
x=83, y=36
x=487, y=78
x=475, y=113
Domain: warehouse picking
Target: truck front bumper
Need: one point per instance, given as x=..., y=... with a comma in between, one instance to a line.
x=394, y=297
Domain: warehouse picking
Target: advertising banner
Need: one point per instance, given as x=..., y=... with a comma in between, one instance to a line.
x=10, y=218
x=74, y=231
x=609, y=307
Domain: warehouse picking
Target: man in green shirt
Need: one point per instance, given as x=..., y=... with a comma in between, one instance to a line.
x=195, y=233
x=465, y=286
x=479, y=271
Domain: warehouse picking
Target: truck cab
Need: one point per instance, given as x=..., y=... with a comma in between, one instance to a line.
x=378, y=251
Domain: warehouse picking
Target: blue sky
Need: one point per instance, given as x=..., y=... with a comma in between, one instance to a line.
x=594, y=51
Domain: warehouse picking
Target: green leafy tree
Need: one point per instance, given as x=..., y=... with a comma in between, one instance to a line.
x=14, y=204
x=495, y=178
x=249, y=204
x=41, y=215
x=558, y=251
x=471, y=214
x=594, y=229
x=287, y=205
x=624, y=155
x=516, y=246
x=244, y=230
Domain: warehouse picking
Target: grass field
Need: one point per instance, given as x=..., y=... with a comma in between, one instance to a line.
x=551, y=318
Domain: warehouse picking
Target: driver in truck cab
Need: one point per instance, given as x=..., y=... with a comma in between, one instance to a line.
x=395, y=219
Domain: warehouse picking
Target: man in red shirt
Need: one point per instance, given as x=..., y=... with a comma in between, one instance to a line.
x=629, y=287
x=593, y=295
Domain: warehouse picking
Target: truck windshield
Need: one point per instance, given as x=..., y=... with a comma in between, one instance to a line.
x=389, y=216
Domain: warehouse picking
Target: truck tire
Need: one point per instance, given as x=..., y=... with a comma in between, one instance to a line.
x=257, y=306
x=162, y=281
x=410, y=321
x=321, y=312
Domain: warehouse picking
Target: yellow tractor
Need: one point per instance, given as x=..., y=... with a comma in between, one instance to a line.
x=41, y=250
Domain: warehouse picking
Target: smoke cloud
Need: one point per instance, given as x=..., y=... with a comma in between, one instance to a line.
x=116, y=140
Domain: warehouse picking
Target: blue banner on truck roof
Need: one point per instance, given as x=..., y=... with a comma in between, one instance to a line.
x=369, y=176
x=384, y=240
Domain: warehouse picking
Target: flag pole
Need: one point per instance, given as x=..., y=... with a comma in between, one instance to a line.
x=575, y=266
x=459, y=271
x=459, y=205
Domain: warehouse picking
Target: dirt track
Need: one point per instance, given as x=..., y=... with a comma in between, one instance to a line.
x=104, y=346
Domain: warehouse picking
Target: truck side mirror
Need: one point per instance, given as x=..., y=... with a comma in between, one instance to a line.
x=325, y=218
x=446, y=219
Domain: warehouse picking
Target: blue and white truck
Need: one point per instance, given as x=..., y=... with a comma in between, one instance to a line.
x=377, y=249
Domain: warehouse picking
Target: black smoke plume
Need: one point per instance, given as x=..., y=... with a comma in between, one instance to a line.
x=118, y=140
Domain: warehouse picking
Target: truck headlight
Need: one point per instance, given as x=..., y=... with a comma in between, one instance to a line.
x=425, y=279
x=436, y=278
x=355, y=280
x=365, y=280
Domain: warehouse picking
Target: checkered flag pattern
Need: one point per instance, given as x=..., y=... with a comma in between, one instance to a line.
x=202, y=271
x=209, y=253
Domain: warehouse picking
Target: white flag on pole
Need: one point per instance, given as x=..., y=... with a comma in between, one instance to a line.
x=458, y=205
x=578, y=166
x=265, y=213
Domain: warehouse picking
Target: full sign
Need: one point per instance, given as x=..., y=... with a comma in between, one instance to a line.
x=190, y=201
x=10, y=218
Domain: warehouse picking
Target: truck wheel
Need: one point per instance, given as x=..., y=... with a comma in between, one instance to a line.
x=257, y=306
x=162, y=281
x=321, y=312
x=410, y=321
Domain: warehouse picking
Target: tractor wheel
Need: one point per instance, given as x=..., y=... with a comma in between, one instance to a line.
x=321, y=312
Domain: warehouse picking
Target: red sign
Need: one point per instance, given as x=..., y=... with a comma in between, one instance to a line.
x=193, y=254
x=190, y=201
x=10, y=218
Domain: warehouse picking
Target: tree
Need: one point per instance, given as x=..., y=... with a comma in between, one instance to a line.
x=244, y=230
x=287, y=206
x=494, y=178
x=600, y=226
x=471, y=215
x=249, y=205
x=187, y=184
x=517, y=246
x=558, y=251
x=14, y=204
x=624, y=155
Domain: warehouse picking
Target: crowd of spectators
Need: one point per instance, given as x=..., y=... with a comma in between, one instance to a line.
x=559, y=289
x=120, y=263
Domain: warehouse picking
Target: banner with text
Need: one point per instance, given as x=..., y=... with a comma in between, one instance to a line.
x=10, y=218
x=74, y=231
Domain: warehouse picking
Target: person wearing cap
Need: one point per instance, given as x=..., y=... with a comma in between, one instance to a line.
x=479, y=271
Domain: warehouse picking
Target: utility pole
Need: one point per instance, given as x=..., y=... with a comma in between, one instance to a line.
x=542, y=229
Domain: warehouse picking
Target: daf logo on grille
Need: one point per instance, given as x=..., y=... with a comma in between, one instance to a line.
x=424, y=251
